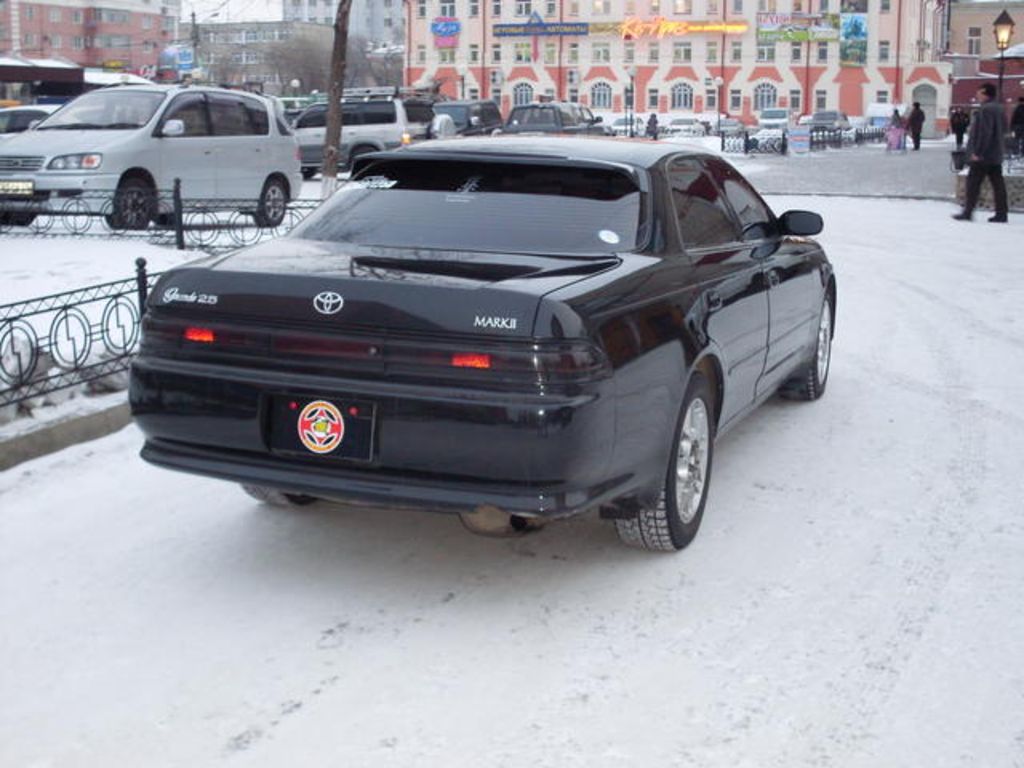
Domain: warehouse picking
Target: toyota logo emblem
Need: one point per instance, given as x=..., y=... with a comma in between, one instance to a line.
x=328, y=303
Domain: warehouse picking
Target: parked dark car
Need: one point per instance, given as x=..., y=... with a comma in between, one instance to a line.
x=555, y=117
x=831, y=119
x=513, y=328
x=471, y=118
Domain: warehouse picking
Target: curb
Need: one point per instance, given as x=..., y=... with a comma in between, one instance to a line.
x=63, y=433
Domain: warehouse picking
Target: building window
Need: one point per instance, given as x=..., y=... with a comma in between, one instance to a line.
x=496, y=54
x=447, y=8
x=474, y=8
x=796, y=52
x=712, y=52
x=77, y=43
x=682, y=53
x=628, y=52
x=682, y=96
x=550, y=53
x=882, y=97
x=712, y=7
x=552, y=7
x=522, y=94
x=474, y=94
x=736, y=51
x=631, y=7
x=55, y=15
x=766, y=6
x=496, y=8
x=474, y=53
x=602, y=7
x=765, y=96
x=974, y=41
x=653, y=53
x=820, y=100
x=711, y=98
x=421, y=54
x=601, y=53
x=795, y=100
x=652, y=98
x=522, y=54
x=735, y=101
x=737, y=6
x=822, y=52
x=574, y=7
x=421, y=9
x=682, y=7
x=446, y=56
x=766, y=53
x=601, y=96
x=883, y=50
x=824, y=6
x=655, y=6
x=523, y=8
x=574, y=53
x=885, y=6
x=574, y=95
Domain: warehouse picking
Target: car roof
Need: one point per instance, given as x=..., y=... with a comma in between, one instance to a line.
x=32, y=107
x=177, y=88
x=640, y=153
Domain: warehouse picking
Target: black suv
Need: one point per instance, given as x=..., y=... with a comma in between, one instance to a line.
x=554, y=117
x=471, y=118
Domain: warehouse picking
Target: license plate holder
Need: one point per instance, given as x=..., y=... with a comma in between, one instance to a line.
x=322, y=428
x=17, y=187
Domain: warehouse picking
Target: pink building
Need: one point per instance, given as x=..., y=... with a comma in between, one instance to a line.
x=117, y=34
x=684, y=55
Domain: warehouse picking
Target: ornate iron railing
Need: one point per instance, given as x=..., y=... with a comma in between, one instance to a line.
x=72, y=338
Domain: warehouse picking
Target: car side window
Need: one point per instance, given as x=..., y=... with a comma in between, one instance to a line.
x=755, y=216
x=313, y=118
x=258, y=118
x=416, y=112
x=491, y=114
x=229, y=117
x=703, y=215
x=380, y=113
x=190, y=108
x=568, y=118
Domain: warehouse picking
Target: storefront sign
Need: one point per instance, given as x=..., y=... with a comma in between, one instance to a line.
x=853, y=35
x=799, y=139
x=797, y=28
x=537, y=27
x=446, y=32
x=660, y=27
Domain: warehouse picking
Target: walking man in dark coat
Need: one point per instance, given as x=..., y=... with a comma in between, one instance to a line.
x=915, y=124
x=958, y=121
x=652, y=127
x=985, y=155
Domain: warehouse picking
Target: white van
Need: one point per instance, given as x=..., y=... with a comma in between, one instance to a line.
x=134, y=141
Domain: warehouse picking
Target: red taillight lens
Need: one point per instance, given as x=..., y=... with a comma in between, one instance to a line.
x=199, y=335
x=470, y=360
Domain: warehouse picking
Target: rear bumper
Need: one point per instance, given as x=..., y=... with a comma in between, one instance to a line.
x=435, y=447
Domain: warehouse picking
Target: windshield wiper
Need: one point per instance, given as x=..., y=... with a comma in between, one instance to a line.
x=118, y=126
x=71, y=127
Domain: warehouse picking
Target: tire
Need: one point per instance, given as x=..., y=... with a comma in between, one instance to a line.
x=16, y=219
x=672, y=523
x=809, y=383
x=309, y=173
x=134, y=205
x=273, y=204
x=356, y=154
x=277, y=498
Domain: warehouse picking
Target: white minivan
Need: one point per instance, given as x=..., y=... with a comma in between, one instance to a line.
x=132, y=142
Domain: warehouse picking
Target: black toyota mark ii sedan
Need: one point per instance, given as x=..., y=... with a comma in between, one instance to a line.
x=512, y=329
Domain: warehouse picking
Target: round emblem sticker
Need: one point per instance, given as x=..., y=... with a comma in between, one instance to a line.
x=321, y=427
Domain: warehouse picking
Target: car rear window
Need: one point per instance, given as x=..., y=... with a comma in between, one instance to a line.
x=493, y=206
x=539, y=116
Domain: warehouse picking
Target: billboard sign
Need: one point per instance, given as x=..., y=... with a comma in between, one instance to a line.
x=797, y=28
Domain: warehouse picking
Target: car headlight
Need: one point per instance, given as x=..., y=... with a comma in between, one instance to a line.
x=84, y=162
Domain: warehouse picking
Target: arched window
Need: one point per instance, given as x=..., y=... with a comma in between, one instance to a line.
x=522, y=94
x=682, y=96
x=765, y=96
x=601, y=96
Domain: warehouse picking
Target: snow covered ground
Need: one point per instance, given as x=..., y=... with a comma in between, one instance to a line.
x=853, y=599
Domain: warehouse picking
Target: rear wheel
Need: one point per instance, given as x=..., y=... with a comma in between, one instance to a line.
x=273, y=203
x=134, y=205
x=809, y=383
x=672, y=522
x=356, y=153
x=276, y=497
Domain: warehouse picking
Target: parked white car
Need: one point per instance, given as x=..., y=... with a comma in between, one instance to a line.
x=15, y=120
x=373, y=119
x=134, y=141
x=685, y=127
x=774, y=119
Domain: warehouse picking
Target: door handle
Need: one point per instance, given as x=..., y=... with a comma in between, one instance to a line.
x=715, y=302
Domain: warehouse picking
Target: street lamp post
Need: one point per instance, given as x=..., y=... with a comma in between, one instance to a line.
x=463, y=71
x=631, y=101
x=719, y=82
x=1003, y=30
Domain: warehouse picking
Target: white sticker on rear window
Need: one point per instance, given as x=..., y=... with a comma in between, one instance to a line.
x=609, y=237
x=376, y=182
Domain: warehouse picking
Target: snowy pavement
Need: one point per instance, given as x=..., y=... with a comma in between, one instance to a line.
x=853, y=598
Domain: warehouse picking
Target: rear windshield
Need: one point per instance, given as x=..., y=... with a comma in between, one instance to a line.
x=483, y=206
x=532, y=116
x=459, y=114
x=773, y=114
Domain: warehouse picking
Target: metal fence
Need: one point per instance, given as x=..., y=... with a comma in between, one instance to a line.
x=82, y=337
x=777, y=142
x=158, y=217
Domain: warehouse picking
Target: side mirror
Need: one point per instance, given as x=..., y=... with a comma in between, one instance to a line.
x=801, y=223
x=598, y=119
x=173, y=128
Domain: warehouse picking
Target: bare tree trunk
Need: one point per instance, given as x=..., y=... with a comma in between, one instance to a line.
x=335, y=89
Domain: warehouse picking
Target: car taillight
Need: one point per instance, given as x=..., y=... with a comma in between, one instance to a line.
x=470, y=360
x=407, y=138
x=199, y=335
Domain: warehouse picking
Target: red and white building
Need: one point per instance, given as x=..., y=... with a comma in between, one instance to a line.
x=122, y=35
x=684, y=55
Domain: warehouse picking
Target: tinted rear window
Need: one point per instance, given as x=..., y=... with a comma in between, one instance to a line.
x=483, y=206
x=539, y=116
